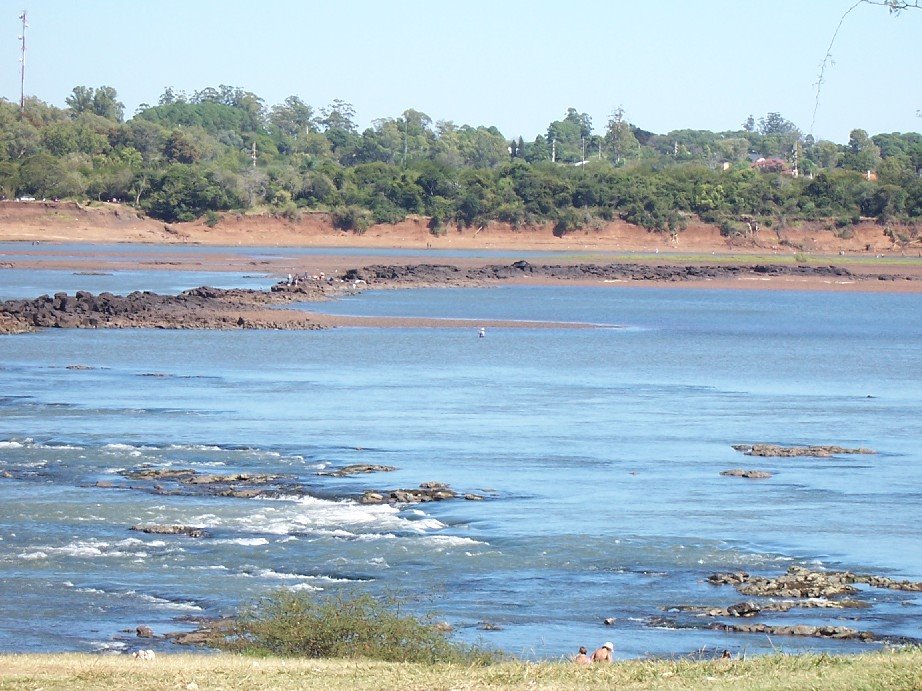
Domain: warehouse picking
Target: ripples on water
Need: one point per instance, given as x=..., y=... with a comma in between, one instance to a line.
x=599, y=452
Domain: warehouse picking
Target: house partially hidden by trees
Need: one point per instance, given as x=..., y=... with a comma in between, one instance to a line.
x=223, y=148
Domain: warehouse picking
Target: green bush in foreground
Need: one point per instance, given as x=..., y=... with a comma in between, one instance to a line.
x=299, y=624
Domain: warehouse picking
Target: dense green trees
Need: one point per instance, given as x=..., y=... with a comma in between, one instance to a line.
x=192, y=154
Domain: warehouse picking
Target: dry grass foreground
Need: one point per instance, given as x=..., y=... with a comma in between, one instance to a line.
x=900, y=669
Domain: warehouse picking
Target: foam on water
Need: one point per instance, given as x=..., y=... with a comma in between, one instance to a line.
x=242, y=541
x=320, y=516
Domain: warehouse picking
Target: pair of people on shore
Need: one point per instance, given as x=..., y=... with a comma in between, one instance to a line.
x=603, y=654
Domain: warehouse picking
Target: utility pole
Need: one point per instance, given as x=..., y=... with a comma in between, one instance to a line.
x=553, y=150
x=406, y=138
x=253, y=154
x=795, y=172
x=22, y=62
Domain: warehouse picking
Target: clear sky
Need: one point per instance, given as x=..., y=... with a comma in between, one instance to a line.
x=515, y=64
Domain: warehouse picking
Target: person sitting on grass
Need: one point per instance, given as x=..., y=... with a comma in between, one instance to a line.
x=582, y=658
x=603, y=654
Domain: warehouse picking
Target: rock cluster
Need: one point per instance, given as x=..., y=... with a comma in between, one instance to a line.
x=777, y=450
x=797, y=582
x=358, y=469
x=750, y=608
x=801, y=582
x=426, y=492
x=198, y=308
x=170, y=530
x=441, y=274
x=840, y=632
x=169, y=481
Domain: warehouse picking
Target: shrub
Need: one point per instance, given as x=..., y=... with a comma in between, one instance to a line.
x=211, y=218
x=568, y=220
x=352, y=218
x=729, y=229
x=289, y=210
x=302, y=624
x=437, y=226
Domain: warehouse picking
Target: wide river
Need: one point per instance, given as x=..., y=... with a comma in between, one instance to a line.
x=598, y=452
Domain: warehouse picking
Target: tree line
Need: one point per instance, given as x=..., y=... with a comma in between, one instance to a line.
x=223, y=148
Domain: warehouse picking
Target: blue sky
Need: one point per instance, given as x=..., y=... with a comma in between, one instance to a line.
x=515, y=64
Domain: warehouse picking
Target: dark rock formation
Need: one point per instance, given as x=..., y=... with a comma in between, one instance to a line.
x=170, y=530
x=198, y=308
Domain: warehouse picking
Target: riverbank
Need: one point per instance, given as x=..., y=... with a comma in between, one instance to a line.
x=900, y=669
x=49, y=221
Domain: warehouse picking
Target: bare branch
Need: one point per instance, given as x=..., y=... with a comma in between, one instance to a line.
x=894, y=6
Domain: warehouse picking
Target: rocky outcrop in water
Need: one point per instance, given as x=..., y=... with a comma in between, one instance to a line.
x=749, y=474
x=189, y=531
x=185, y=481
x=802, y=589
x=357, y=469
x=441, y=274
x=199, y=308
x=750, y=608
x=801, y=582
x=213, y=308
x=778, y=451
x=838, y=632
x=426, y=492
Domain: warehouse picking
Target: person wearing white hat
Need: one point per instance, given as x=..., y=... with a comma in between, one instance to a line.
x=603, y=654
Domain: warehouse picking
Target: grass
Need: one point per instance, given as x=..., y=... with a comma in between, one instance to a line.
x=901, y=669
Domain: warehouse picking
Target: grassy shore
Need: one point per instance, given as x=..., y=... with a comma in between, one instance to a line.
x=76, y=672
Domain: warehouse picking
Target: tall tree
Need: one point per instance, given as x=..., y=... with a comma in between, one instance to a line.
x=107, y=105
x=862, y=153
x=102, y=102
x=568, y=136
x=619, y=139
x=294, y=117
